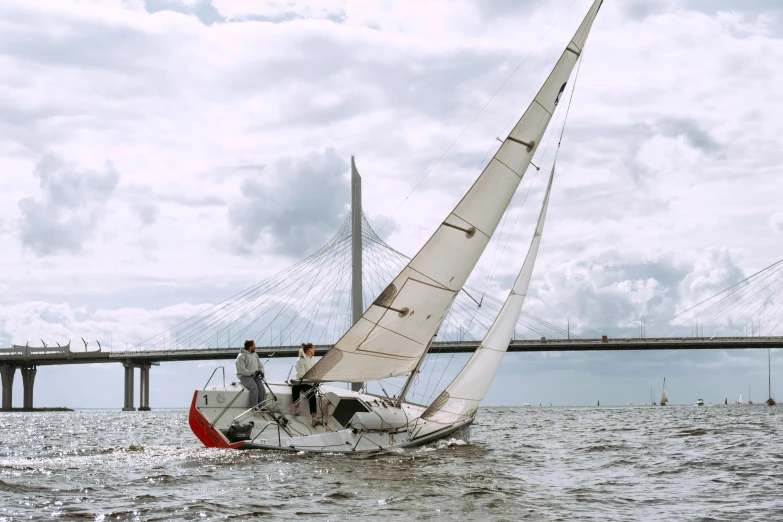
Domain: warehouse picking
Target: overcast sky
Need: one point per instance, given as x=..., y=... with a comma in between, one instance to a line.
x=160, y=155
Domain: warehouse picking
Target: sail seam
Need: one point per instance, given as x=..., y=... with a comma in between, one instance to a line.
x=547, y=110
x=509, y=168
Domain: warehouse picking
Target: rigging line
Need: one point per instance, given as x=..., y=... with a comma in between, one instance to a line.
x=277, y=306
x=751, y=301
x=326, y=292
x=739, y=290
x=242, y=294
x=727, y=289
x=373, y=270
x=734, y=315
x=334, y=288
x=336, y=335
x=315, y=280
x=204, y=333
x=339, y=288
x=502, y=85
x=282, y=284
x=739, y=295
x=777, y=323
x=287, y=329
x=772, y=315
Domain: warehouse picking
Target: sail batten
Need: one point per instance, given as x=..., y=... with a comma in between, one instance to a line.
x=394, y=331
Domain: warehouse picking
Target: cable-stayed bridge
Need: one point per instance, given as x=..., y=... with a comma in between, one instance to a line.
x=318, y=299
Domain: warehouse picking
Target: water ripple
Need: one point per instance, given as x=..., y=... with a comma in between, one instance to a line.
x=629, y=463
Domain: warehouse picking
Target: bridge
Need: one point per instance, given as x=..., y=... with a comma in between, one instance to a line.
x=318, y=299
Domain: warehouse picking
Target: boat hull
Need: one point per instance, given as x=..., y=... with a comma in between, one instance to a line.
x=351, y=422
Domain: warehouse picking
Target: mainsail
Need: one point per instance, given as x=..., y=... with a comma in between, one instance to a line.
x=460, y=400
x=394, y=332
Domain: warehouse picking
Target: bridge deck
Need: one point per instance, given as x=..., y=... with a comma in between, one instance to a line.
x=19, y=355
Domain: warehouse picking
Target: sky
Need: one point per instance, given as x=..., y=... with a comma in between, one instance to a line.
x=157, y=156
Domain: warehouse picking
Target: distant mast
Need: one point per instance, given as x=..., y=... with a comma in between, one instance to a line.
x=770, y=400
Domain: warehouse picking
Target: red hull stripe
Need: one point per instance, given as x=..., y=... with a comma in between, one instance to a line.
x=208, y=435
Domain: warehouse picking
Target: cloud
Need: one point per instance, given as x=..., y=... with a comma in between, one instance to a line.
x=201, y=9
x=776, y=223
x=69, y=209
x=293, y=206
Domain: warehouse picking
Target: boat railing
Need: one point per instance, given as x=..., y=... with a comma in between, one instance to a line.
x=213, y=374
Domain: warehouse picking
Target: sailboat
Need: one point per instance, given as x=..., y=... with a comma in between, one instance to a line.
x=770, y=400
x=739, y=401
x=749, y=401
x=394, y=334
x=664, y=398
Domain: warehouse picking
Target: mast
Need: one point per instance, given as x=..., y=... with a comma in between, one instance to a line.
x=357, y=303
x=412, y=376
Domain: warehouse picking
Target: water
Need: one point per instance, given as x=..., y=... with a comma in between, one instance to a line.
x=627, y=463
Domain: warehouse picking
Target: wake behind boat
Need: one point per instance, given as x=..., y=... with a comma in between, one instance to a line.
x=393, y=336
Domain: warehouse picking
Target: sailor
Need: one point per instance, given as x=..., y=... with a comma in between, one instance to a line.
x=251, y=373
x=303, y=365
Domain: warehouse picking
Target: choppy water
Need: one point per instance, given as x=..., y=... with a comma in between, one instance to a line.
x=631, y=463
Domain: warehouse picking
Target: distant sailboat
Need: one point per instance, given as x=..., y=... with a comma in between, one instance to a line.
x=749, y=401
x=664, y=398
x=739, y=401
x=770, y=401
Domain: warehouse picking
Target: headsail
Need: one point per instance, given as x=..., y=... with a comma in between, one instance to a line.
x=460, y=400
x=393, y=333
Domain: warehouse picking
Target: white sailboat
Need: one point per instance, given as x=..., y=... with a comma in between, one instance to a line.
x=664, y=398
x=394, y=334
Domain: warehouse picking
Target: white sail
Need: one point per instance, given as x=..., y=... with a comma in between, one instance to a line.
x=664, y=398
x=460, y=400
x=393, y=333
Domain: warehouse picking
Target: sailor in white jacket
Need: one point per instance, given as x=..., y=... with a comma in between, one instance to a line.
x=251, y=372
x=303, y=365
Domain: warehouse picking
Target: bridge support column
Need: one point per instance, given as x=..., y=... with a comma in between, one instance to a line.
x=144, y=387
x=7, y=374
x=28, y=381
x=128, y=387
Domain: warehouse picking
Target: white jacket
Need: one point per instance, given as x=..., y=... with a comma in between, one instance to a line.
x=248, y=363
x=303, y=364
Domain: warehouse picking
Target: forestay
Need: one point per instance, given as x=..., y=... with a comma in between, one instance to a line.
x=393, y=333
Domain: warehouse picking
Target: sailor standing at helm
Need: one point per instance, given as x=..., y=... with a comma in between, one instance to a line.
x=251, y=373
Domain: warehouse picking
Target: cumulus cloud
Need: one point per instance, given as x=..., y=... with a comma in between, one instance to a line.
x=293, y=206
x=69, y=209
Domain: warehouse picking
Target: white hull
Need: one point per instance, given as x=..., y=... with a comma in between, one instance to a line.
x=364, y=422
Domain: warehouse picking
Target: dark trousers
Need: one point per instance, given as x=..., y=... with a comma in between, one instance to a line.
x=309, y=391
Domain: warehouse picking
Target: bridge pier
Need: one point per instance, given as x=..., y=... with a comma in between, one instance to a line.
x=144, y=389
x=28, y=381
x=128, y=386
x=7, y=374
